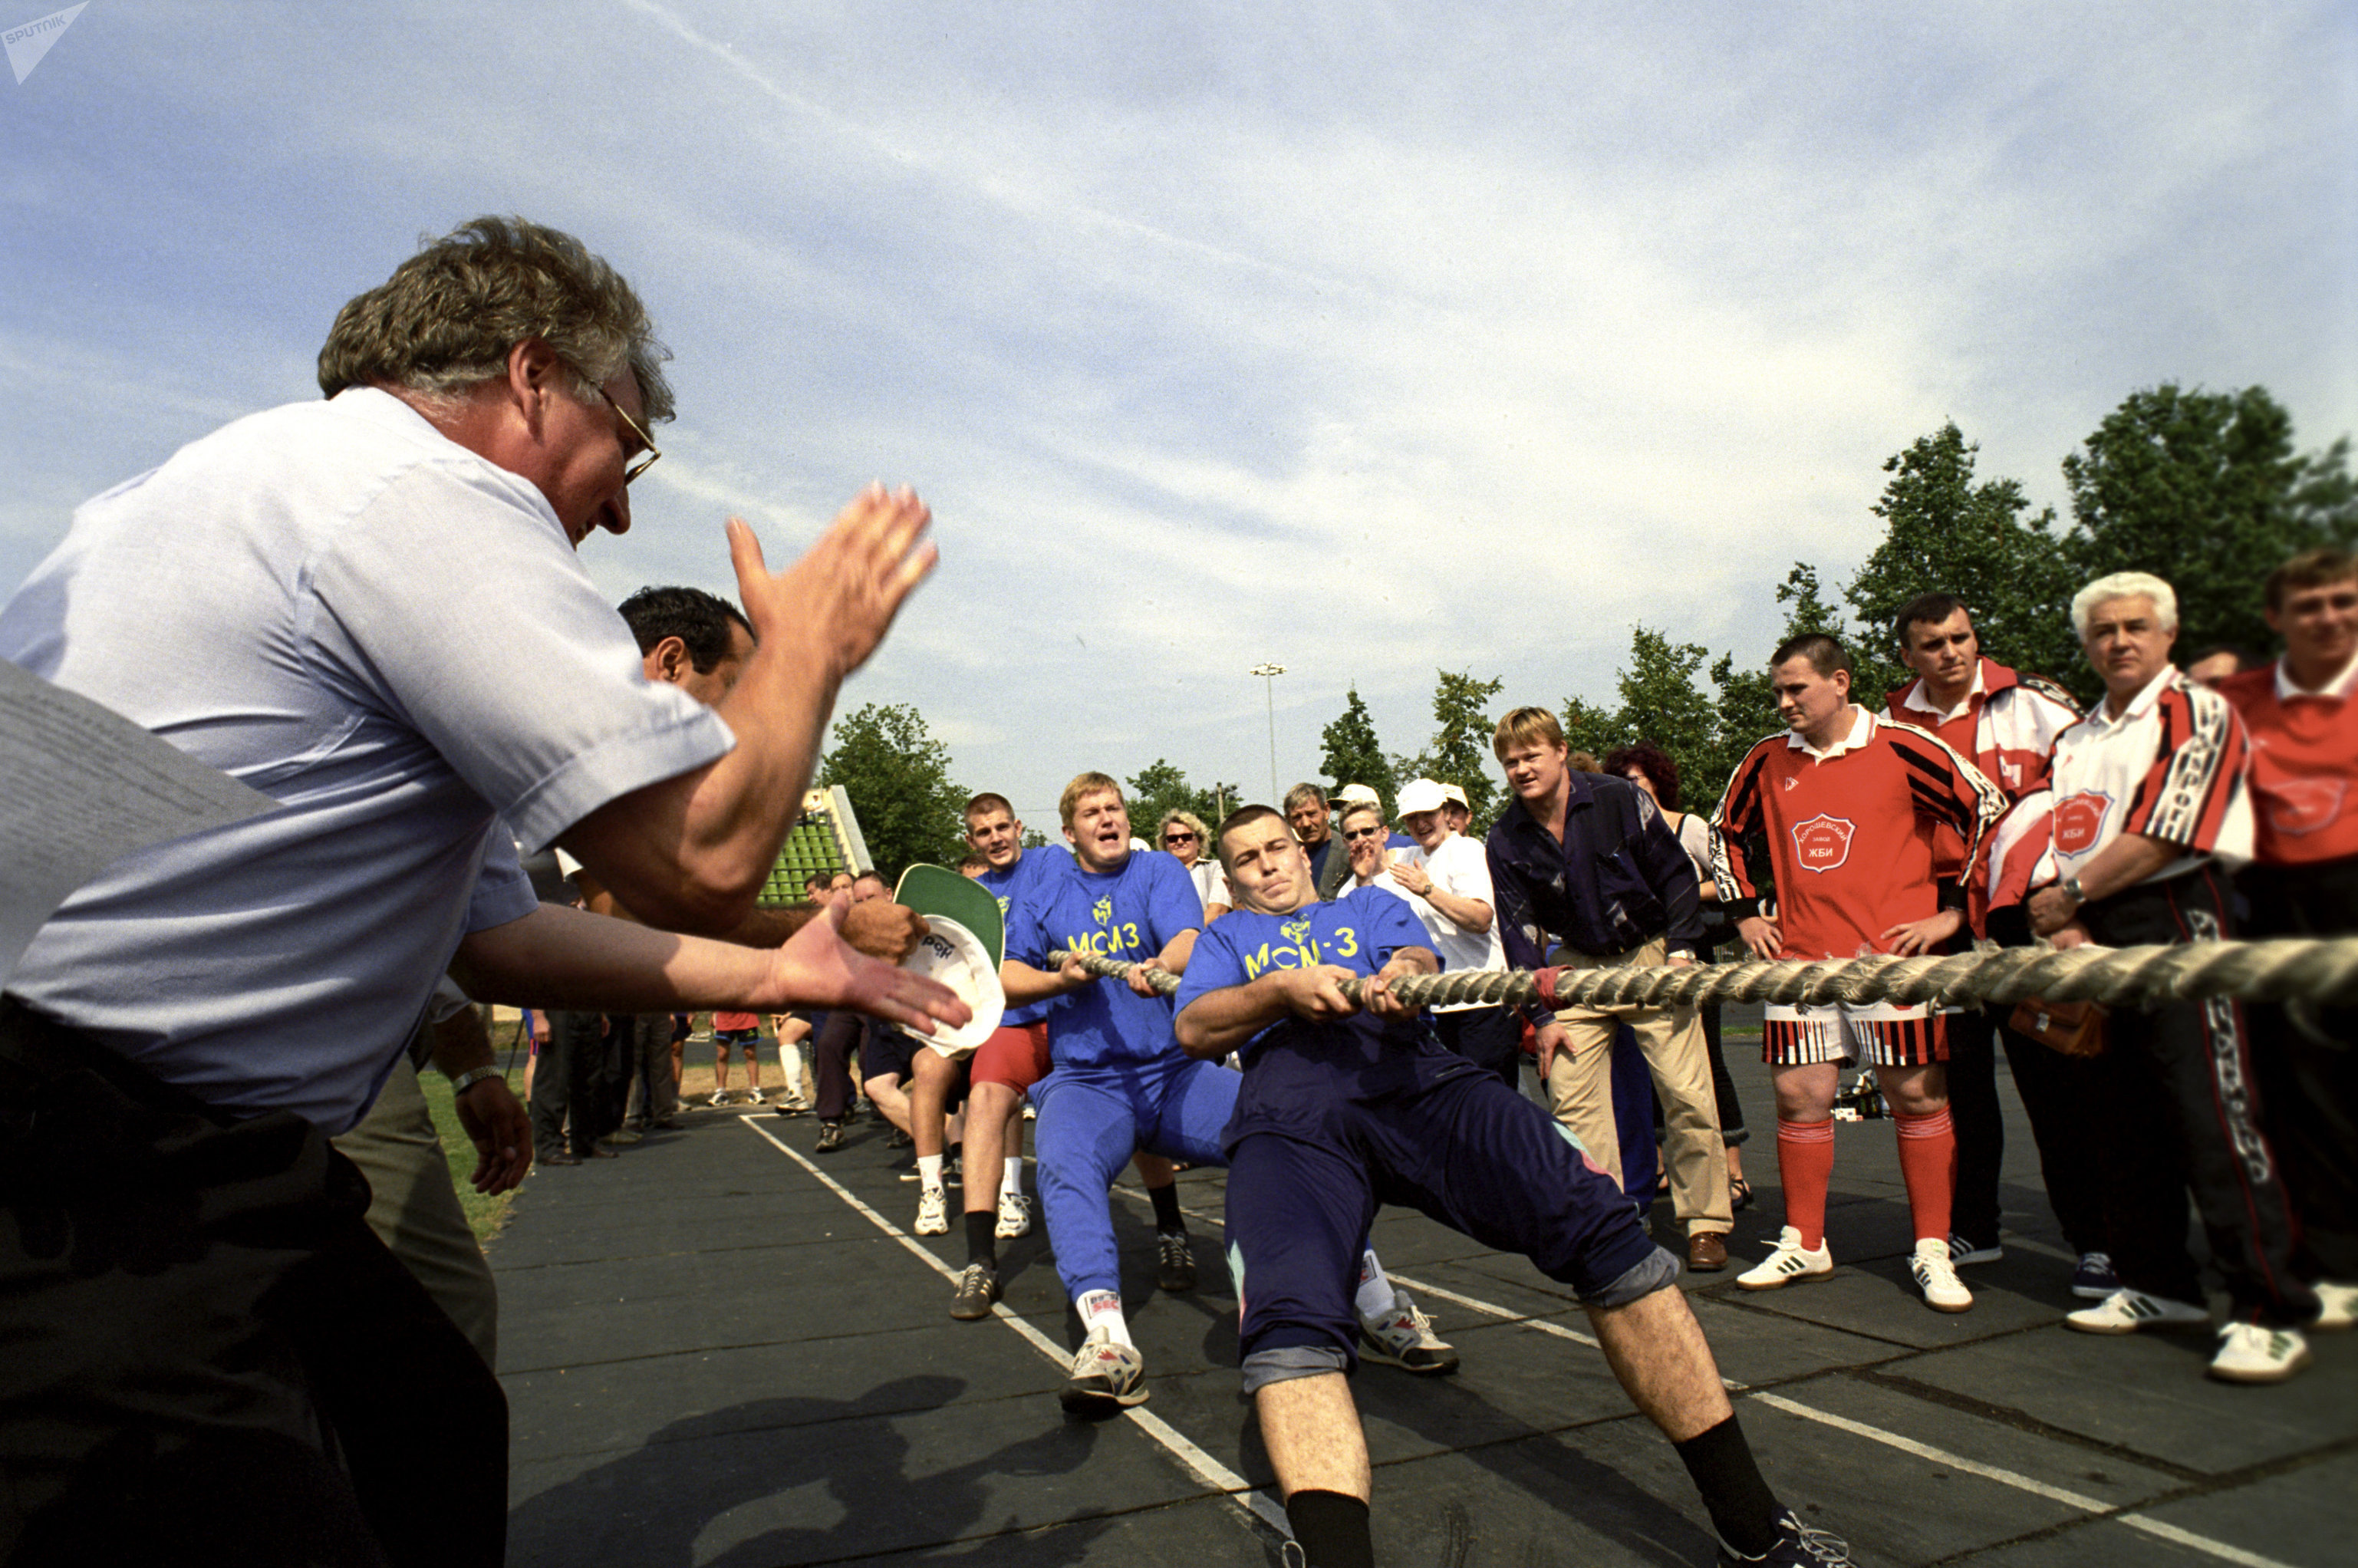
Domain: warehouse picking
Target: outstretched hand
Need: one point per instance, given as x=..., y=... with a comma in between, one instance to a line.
x=818, y=967
x=837, y=601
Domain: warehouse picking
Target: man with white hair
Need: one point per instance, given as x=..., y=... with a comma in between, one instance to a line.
x=2148, y=797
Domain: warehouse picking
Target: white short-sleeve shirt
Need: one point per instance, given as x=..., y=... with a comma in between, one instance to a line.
x=392, y=638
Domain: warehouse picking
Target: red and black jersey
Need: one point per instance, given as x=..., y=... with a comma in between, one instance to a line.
x=1848, y=843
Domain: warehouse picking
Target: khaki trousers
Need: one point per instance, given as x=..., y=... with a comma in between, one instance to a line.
x=1580, y=1088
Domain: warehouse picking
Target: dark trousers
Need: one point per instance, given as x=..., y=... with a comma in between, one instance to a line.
x=837, y=1035
x=1488, y=1037
x=571, y=1085
x=647, y=1081
x=208, y=1345
x=1981, y=1132
x=2189, y=1115
x=2067, y=1099
x=2307, y=1058
x=1731, y=1130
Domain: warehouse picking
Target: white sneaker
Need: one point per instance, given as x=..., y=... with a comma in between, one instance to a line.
x=719, y=1097
x=932, y=1212
x=1106, y=1377
x=1403, y=1336
x=1790, y=1262
x=2126, y=1311
x=755, y=1096
x=2337, y=1305
x=1937, y=1277
x=1014, y=1216
x=2250, y=1354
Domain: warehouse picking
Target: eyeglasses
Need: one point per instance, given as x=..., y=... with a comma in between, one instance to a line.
x=646, y=458
x=1353, y=835
x=1178, y=838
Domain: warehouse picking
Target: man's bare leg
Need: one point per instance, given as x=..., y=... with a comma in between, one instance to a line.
x=1657, y=1350
x=1311, y=1428
x=884, y=1094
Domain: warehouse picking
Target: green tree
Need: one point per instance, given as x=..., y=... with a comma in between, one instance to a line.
x=1352, y=755
x=1945, y=533
x=898, y=778
x=1159, y=787
x=2203, y=489
x=1460, y=752
x=1660, y=703
x=1588, y=728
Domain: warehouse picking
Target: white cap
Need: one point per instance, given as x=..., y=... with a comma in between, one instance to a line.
x=1357, y=794
x=1420, y=794
x=1458, y=794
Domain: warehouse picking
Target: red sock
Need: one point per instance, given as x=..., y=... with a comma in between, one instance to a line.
x=1805, y=1164
x=1928, y=1163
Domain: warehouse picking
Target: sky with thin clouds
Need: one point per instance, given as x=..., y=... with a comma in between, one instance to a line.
x=1370, y=340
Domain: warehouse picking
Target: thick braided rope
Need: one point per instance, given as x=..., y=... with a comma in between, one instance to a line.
x=2280, y=971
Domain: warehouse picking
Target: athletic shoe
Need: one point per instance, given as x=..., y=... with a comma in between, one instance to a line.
x=2126, y=1311
x=932, y=1212
x=793, y=1105
x=1790, y=1262
x=1403, y=1336
x=978, y=1287
x=1175, y=1262
x=719, y=1097
x=2337, y=1305
x=2093, y=1279
x=1106, y=1377
x=755, y=1096
x=625, y=1137
x=830, y=1137
x=1798, y=1546
x=2250, y=1354
x=1962, y=1252
x=1014, y=1216
x=1937, y=1277
x=953, y=1170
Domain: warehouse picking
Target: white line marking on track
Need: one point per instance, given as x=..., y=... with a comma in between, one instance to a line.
x=2152, y=1527
x=1207, y=1470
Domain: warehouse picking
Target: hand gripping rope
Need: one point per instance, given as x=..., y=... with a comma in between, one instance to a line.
x=2280, y=971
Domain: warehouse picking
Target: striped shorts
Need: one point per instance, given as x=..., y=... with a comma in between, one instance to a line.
x=1881, y=1035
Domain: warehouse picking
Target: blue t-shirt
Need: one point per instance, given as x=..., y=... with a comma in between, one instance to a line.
x=1295, y=1069
x=1131, y=914
x=1017, y=885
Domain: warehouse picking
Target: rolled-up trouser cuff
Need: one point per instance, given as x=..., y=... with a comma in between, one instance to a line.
x=1281, y=1362
x=1643, y=1278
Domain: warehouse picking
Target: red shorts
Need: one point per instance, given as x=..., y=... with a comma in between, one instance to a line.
x=1015, y=1054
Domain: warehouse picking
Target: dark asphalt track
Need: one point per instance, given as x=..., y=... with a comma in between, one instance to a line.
x=715, y=1358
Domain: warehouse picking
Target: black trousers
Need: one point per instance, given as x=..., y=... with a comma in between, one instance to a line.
x=837, y=1035
x=2189, y=1115
x=573, y=1085
x=210, y=1354
x=1489, y=1037
x=2307, y=1059
x=1980, y=1127
x=2066, y=1098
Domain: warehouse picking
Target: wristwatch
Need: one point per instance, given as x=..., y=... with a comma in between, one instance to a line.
x=2072, y=891
x=471, y=1078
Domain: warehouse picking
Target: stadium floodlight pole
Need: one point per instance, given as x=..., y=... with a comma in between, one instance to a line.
x=1269, y=673
x=1220, y=793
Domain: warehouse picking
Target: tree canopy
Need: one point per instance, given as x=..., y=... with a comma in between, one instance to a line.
x=898, y=776
x=1353, y=755
x=1459, y=752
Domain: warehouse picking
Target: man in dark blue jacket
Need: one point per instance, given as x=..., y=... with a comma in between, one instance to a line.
x=1588, y=875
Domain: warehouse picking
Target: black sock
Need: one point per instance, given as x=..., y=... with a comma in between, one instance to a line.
x=1167, y=1210
x=1331, y=1528
x=982, y=1237
x=1742, y=1509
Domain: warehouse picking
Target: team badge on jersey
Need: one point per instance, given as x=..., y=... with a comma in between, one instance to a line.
x=2079, y=820
x=2297, y=808
x=1822, y=843
x=1102, y=909
x=1295, y=930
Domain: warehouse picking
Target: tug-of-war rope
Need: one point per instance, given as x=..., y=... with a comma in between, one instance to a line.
x=2284, y=969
